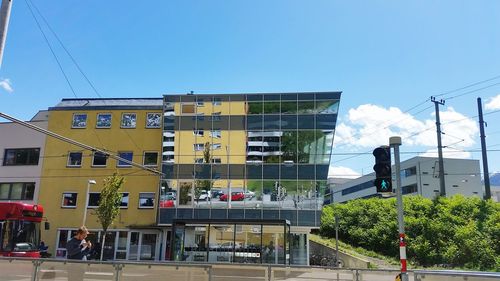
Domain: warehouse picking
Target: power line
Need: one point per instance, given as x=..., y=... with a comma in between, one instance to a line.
x=468, y=86
x=51, y=50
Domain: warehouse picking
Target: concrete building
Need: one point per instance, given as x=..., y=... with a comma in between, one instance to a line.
x=419, y=175
x=128, y=127
x=21, y=152
x=245, y=174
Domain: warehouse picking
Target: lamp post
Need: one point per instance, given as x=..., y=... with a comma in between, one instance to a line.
x=89, y=182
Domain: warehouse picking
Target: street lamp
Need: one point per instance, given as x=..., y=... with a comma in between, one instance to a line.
x=89, y=182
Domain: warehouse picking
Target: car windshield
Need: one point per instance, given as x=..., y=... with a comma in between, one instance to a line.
x=19, y=236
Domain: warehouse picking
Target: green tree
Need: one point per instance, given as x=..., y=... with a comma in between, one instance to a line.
x=109, y=204
x=204, y=184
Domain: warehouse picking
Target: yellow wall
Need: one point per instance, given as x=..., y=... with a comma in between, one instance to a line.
x=58, y=178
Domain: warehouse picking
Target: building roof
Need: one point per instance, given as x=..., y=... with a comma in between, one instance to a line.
x=111, y=103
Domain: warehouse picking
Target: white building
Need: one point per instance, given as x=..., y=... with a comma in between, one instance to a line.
x=419, y=176
x=21, y=150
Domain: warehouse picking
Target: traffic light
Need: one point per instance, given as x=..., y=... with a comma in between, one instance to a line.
x=382, y=169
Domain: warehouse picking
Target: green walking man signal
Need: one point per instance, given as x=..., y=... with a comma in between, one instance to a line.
x=382, y=169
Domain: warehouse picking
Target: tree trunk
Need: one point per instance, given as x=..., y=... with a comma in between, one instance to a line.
x=102, y=244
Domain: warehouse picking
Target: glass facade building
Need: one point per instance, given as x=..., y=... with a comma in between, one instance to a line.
x=247, y=157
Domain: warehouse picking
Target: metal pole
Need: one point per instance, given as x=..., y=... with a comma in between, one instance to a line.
x=4, y=24
x=336, y=240
x=442, y=189
x=487, y=187
x=395, y=142
x=89, y=182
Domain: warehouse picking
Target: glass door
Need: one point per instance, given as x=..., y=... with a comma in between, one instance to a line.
x=133, y=243
x=148, y=243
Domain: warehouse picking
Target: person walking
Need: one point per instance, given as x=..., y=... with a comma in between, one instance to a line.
x=77, y=249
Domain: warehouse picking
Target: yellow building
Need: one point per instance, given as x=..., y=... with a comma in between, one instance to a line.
x=129, y=128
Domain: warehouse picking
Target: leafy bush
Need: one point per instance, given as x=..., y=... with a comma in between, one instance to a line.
x=456, y=231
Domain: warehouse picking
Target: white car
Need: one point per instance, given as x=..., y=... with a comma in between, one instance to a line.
x=249, y=194
x=204, y=195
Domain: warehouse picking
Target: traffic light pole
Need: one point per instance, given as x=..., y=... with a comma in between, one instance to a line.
x=395, y=142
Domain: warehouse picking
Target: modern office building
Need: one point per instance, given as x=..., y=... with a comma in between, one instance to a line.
x=73, y=177
x=21, y=151
x=419, y=176
x=244, y=174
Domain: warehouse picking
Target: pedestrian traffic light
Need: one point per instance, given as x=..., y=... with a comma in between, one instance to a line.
x=382, y=169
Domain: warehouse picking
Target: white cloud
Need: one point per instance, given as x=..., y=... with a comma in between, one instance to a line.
x=369, y=126
x=493, y=103
x=6, y=85
x=342, y=172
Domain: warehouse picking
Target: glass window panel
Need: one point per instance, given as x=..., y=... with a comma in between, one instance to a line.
x=153, y=120
x=29, y=191
x=273, y=244
x=253, y=97
x=327, y=107
x=150, y=158
x=79, y=120
x=69, y=199
x=99, y=159
x=254, y=170
x=306, y=146
x=289, y=107
x=146, y=200
x=289, y=147
x=289, y=96
x=124, y=201
x=271, y=171
x=305, y=107
x=326, y=121
x=4, y=191
x=129, y=120
x=305, y=122
x=271, y=107
x=16, y=191
x=306, y=171
x=272, y=122
x=249, y=237
x=288, y=122
x=222, y=245
x=128, y=155
x=306, y=190
x=103, y=120
x=254, y=122
x=94, y=199
x=63, y=238
x=75, y=159
x=272, y=97
x=255, y=107
x=305, y=96
x=288, y=171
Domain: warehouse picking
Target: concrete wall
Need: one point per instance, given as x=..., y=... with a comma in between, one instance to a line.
x=325, y=251
x=13, y=135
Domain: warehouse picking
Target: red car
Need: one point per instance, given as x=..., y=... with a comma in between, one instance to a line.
x=235, y=196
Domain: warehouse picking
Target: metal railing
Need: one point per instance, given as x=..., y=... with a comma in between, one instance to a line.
x=21, y=269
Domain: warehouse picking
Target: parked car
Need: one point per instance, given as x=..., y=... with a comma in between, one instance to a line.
x=249, y=194
x=235, y=196
x=204, y=195
x=216, y=193
x=173, y=194
x=167, y=201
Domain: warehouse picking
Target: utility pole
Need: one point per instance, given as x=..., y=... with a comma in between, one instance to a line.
x=395, y=142
x=442, y=189
x=487, y=187
x=4, y=24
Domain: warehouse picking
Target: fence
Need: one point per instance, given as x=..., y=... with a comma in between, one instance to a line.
x=53, y=269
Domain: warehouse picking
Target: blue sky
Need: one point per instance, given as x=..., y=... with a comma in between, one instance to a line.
x=386, y=57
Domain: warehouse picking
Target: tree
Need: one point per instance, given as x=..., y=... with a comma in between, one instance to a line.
x=204, y=184
x=109, y=204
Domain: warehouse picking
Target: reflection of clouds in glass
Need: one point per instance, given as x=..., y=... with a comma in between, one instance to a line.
x=104, y=120
x=153, y=120
x=129, y=120
x=79, y=120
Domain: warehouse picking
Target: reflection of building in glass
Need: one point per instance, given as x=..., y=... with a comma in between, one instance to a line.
x=248, y=156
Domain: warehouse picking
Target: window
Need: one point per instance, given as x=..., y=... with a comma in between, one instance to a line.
x=216, y=161
x=103, y=120
x=198, y=133
x=153, y=120
x=410, y=171
x=215, y=134
x=198, y=146
x=146, y=200
x=69, y=199
x=21, y=156
x=75, y=159
x=128, y=155
x=129, y=120
x=216, y=101
x=17, y=191
x=99, y=159
x=188, y=109
x=216, y=116
x=198, y=160
x=124, y=202
x=94, y=199
x=200, y=102
x=150, y=158
x=409, y=189
x=216, y=146
x=79, y=120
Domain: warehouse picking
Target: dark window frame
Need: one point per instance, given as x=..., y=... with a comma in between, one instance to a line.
x=68, y=164
x=100, y=155
x=23, y=191
x=75, y=198
x=144, y=158
x=31, y=154
x=140, y=206
x=124, y=165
